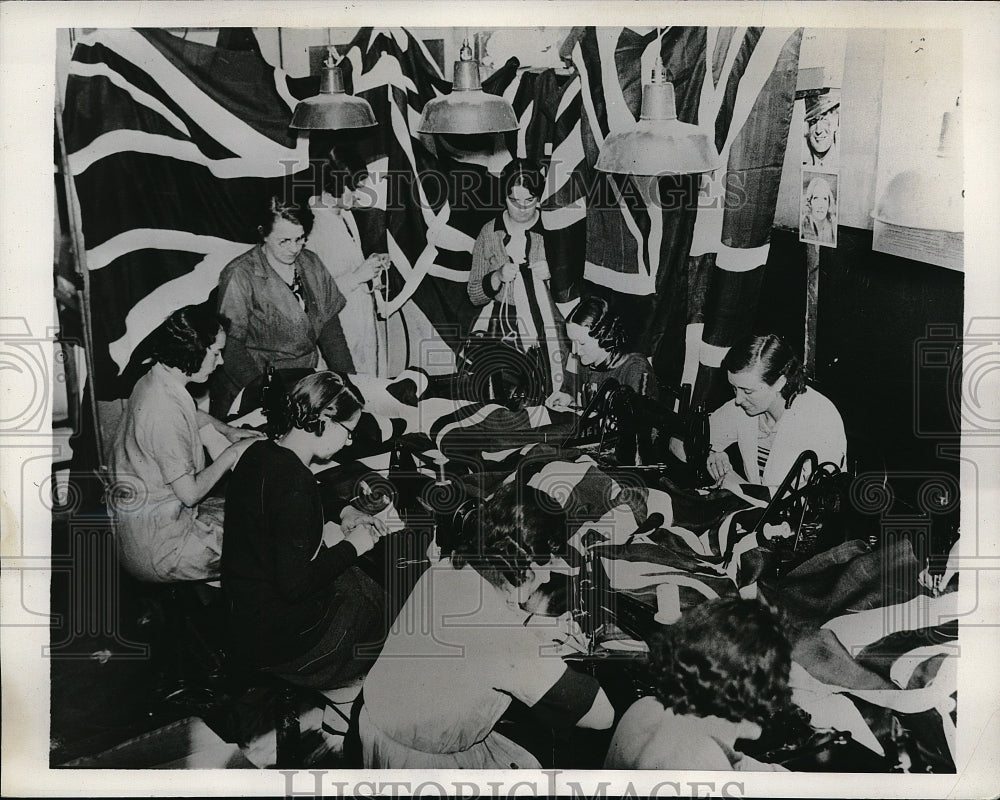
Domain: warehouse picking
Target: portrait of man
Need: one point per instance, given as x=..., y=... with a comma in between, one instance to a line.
x=822, y=131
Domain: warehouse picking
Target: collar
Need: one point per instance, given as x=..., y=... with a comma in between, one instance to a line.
x=499, y=227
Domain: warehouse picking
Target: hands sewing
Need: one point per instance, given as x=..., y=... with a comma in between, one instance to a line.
x=560, y=401
x=361, y=530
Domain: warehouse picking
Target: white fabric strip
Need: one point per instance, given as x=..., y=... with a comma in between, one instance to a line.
x=736, y=259
x=101, y=69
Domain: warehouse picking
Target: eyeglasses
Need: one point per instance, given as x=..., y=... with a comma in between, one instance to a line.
x=350, y=431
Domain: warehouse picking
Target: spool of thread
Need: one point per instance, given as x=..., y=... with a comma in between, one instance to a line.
x=668, y=603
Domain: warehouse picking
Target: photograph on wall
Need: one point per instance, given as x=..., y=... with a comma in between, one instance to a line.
x=821, y=136
x=818, y=207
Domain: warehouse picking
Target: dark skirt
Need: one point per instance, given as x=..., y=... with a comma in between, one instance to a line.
x=352, y=640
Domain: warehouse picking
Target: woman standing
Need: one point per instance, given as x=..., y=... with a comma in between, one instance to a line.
x=336, y=240
x=509, y=275
x=281, y=303
x=298, y=608
x=172, y=531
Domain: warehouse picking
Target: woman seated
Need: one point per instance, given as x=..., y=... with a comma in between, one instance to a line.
x=772, y=419
x=719, y=673
x=600, y=342
x=509, y=275
x=336, y=240
x=461, y=650
x=774, y=416
x=168, y=530
x=300, y=609
x=281, y=303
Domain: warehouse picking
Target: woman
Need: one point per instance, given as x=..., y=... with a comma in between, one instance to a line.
x=719, y=673
x=167, y=529
x=336, y=240
x=774, y=416
x=300, y=609
x=819, y=222
x=462, y=648
x=509, y=275
x=600, y=342
x=281, y=304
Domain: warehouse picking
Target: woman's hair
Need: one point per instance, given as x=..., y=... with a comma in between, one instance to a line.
x=522, y=172
x=284, y=209
x=184, y=337
x=726, y=657
x=318, y=396
x=820, y=187
x=518, y=525
x=595, y=314
x=343, y=169
x=775, y=359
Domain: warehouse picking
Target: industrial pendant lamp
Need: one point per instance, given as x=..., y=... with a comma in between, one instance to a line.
x=659, y=144
x=468, y=109
x=332, y=109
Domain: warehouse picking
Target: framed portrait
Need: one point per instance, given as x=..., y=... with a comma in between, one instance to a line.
x=818, y=208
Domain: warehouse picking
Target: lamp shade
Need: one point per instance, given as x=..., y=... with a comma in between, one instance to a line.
x=929, y=196
x=468, y=109
x=659, y=144
x=332, y=109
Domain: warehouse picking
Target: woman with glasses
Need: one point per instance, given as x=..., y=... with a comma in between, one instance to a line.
x=299, y=608
x=509, y=277
x=282, y=304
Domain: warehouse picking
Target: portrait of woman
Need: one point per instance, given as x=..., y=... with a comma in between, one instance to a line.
x=819, y=209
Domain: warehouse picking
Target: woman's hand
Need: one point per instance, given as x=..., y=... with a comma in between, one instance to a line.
x=351, y=518
x=508, y=272
x=370, y=268
x=560, y=401
x=239, y=434
x=718, y=464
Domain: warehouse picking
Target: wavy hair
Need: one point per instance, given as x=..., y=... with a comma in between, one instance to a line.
x=276, y=209
x=605, y=325
x=318, y=397
x=184, y=337
x=727, y=657
x=774, y=357
x=343, y=169
x=515, y=527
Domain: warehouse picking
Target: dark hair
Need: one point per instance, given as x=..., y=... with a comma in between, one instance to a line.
x=512, y=529
x=726, y=657
x=522, y=172
x=277, y=208
x=775, y=359
x=184, y=337
x=312, y=397
x=343, y=169
x=595, y=314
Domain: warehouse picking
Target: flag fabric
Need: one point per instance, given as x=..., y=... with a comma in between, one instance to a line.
x=691, y=247
x=172, y=146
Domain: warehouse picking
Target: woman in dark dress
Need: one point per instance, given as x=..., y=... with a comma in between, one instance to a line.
x=300, y=609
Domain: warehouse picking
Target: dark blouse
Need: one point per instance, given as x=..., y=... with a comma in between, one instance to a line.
x=280, y=597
